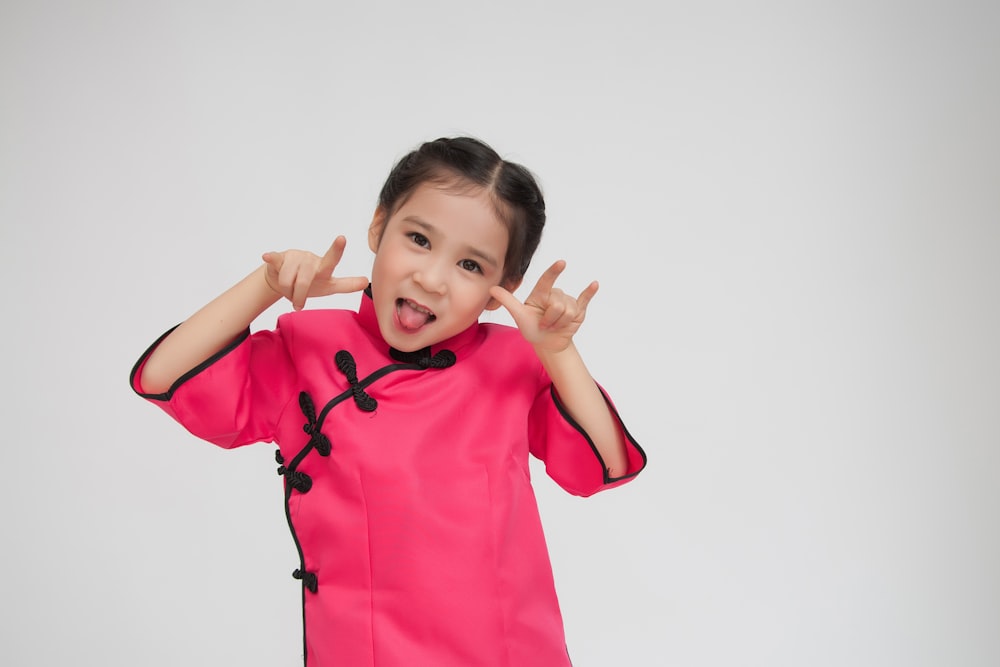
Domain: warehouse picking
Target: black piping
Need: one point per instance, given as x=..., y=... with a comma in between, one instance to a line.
x=300, y=481
x=441, y=360
x=302, y=560
x=166, y=396
x=605, y=474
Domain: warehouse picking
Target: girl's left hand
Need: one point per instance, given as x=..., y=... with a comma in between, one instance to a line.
x=549, y=317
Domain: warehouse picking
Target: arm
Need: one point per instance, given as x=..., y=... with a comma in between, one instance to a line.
x=586, y=405
x=293, y=274
x=548, y=319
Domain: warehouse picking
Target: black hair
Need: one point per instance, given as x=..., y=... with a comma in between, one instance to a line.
x=518, y=199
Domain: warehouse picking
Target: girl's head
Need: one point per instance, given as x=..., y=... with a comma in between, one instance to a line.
x=462, y=163
x=453, y=221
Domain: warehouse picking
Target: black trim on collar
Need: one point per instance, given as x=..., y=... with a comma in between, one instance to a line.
x=410, y=357
x=423, y=358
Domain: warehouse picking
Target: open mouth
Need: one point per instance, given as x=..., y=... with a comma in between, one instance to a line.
x=412, y=315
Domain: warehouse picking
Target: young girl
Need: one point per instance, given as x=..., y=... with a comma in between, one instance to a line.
x=403, y=429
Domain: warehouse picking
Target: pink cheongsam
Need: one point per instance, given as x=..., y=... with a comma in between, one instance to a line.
x=406, y=483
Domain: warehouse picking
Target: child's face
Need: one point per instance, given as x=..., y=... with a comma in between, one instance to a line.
x=435, y=259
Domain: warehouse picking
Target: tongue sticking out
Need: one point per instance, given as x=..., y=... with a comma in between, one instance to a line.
x=412, y=318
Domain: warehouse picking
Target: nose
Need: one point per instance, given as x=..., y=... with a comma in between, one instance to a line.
x=432, y=278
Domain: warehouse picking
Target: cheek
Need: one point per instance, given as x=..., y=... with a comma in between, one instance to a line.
x=382, y=265
x=476, y=301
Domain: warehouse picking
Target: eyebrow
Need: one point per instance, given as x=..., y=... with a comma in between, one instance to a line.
x=472, y=250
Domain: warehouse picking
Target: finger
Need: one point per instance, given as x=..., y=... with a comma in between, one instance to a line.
x=587, y=294
x=553, y=313
x=548, y=279
x=286, y=275
x=300, y=288
x=348, y=285
x=508, y=301
x=332, y=257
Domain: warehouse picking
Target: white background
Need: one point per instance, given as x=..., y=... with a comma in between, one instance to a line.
x=794, y=212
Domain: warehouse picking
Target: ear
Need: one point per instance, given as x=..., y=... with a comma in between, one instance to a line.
x=376, y=229
x=511, y=285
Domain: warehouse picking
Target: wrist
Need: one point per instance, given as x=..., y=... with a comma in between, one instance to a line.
x=554, y=357
x=257, y=291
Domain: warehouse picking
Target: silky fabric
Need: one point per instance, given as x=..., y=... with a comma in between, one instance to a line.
x=419, y=533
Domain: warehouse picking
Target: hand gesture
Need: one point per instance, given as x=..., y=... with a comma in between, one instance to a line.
x=300, y=274
x=549, y=317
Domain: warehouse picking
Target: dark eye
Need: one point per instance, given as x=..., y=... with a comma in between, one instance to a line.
x=419, y=239
x=470, y=265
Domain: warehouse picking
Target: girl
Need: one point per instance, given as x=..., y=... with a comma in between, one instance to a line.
x=403, y=429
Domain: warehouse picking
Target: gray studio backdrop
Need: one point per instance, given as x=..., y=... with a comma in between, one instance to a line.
x=793, y=211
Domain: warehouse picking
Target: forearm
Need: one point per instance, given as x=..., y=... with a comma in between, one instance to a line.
x=585, y=403
x=207, y=331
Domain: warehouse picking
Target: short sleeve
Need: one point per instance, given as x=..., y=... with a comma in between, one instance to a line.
x=570, y=457
x=233, y=398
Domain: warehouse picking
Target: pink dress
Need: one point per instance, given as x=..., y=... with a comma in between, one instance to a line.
x=406, y=483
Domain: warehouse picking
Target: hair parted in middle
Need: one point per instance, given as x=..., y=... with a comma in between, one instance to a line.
x=461, y=162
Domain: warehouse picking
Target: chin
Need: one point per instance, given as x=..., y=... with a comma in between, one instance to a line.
x=402, y=343
x=411, y=347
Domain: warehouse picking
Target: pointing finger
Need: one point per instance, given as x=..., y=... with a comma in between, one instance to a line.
x=548, y=279
x=332, y=256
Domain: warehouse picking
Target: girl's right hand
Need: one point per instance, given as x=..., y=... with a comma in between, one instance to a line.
x=300, y=274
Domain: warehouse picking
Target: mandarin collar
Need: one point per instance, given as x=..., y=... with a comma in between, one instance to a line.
x=369, y=322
